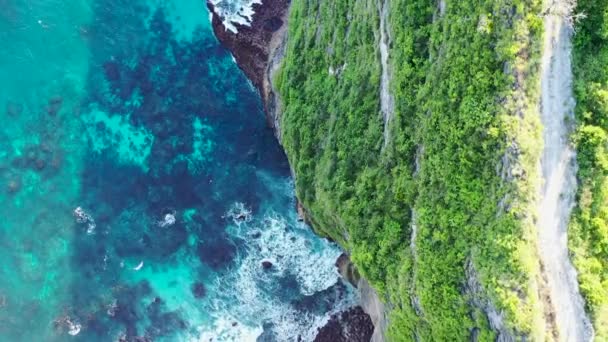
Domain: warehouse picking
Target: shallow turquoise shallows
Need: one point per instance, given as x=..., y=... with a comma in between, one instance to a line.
x=142, y=196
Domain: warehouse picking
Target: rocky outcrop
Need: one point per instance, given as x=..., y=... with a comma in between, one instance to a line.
x=258, y=49
x=370, y=301
x=352, y=325
x=251, y=45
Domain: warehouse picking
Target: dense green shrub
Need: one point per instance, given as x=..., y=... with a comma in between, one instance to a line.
x=589, y=225
x=465, y=87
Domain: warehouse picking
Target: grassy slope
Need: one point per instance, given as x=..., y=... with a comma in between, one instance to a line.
x=456, y=82
x=589, y=225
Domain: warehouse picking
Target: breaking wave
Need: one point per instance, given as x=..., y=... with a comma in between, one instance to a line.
x=235, y=12
x=279, y=261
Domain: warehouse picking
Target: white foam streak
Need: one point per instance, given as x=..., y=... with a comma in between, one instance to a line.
x=235, y=12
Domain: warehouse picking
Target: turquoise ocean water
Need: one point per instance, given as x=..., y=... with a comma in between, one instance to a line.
x=142, y=196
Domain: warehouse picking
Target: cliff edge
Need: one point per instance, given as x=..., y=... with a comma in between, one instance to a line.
x=258, y=50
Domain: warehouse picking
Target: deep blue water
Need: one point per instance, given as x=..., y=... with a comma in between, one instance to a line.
x=143, y=191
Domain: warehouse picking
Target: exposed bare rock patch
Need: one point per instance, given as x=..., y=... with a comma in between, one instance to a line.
x=558, y=169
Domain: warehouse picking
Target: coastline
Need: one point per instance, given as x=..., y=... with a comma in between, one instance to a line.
x=258, y=50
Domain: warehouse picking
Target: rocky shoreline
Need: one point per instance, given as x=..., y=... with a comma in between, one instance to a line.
x=250, y=46
x=258, y=50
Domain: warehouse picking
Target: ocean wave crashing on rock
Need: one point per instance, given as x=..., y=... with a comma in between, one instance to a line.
x=235, y=12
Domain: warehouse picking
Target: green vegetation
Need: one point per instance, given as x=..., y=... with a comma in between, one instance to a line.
x=460, y=165
x=589, y=224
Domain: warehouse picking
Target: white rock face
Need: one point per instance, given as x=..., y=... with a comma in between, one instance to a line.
x=558, y=167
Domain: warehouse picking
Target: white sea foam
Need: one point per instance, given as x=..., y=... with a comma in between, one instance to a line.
x=74, y=328
x=83, y=217
x=235, y=12
x=292, y=251
x=252, y=299
x=309, y=257
x=239, y=214
x=167, y=221
x=226, y=329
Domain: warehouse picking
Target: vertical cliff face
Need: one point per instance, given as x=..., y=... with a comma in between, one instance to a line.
x=259, y=51
x=250, y=43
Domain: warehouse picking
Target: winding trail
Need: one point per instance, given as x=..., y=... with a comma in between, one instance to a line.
x=559, y=173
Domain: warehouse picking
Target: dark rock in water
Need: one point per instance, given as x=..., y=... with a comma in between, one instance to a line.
x=250, y=46
x=266, y=265
x=198, y=290
x=125, y=338
x=352, y=325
